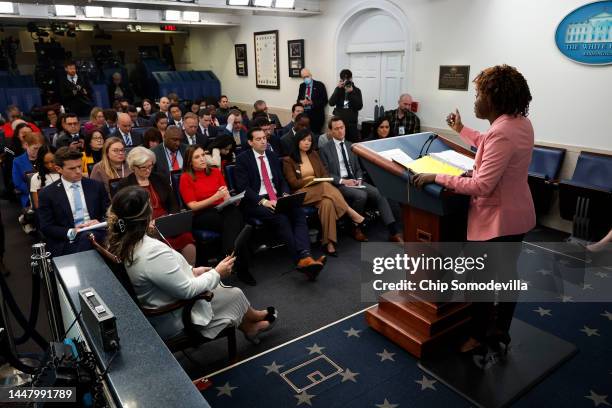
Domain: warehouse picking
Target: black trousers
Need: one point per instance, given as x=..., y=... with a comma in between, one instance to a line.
x=291, y=227
x=489, y=317
x=227, y=222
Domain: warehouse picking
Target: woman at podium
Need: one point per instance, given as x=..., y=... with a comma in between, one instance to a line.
x=501, y=207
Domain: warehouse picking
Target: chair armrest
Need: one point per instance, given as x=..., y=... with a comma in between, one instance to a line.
x=103, y=251
x=207, y=296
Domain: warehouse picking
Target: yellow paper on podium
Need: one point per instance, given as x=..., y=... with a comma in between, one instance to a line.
x=428, y=164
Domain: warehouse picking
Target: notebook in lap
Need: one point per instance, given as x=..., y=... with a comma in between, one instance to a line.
x=172, y=225
x=284, y=204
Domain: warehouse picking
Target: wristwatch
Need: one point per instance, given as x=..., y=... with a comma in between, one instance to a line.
x=71, y=234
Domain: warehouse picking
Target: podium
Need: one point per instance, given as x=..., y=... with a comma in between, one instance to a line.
x=429, y=215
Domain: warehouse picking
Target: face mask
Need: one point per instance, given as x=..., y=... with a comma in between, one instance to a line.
x=308, y=81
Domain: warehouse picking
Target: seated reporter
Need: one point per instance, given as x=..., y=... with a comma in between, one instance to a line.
x=94, y=142
x=202, y=188
x=152, y=137
x=25, y=163
x=160, y=122
x=161, y=276
x=46, y=174
x=113, y=165
x=258, y=173
x=343, y=165
x=141, y=160
x=70, y=204
x=301, y=167
x=220, y=152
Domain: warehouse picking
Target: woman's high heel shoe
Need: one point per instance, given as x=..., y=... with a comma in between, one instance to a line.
x=328, y=253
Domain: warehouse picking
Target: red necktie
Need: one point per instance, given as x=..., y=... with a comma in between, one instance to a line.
x=308, y=90
x=175, y=165
x=266, y=180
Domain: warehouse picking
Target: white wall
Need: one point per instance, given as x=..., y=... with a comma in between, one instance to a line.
x=571, y=103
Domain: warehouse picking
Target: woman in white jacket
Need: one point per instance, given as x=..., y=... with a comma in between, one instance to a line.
x=161, y=276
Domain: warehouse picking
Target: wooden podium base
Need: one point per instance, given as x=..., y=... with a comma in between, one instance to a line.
x=416, y=326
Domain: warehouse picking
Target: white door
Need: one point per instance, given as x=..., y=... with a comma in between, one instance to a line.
x=366, y=75
x=380, y=76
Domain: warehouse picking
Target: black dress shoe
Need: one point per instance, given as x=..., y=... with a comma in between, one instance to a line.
x=246, y=277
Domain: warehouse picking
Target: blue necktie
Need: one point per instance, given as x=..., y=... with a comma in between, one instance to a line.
x=78, y=204
x=128, y=139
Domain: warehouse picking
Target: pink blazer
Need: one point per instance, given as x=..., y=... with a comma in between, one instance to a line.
x=500, y=202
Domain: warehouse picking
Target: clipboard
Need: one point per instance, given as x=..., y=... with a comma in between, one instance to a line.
x=286, y=203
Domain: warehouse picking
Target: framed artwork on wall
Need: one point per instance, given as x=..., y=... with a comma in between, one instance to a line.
x=242, y=68
x=267, y=74
x=296, y=57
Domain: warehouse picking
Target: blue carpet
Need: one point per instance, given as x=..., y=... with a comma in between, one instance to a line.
x=374, y=372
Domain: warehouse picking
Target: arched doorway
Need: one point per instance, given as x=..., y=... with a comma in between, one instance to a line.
x=373, y=41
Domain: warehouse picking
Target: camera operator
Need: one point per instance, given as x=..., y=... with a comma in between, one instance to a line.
x=75, y=91
x=348, y=102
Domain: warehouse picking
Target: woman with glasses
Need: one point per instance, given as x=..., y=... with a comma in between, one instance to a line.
x=94, y=142
x=113, y=165
x=163, y=202
x=46, y=174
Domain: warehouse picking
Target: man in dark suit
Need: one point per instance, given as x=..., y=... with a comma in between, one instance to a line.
x=264, y=124
x=258, y=173
x=124, y=131
x=296, y=109
x=206, y=128
x=176, y=115
x=170, y=153
x=137, y=121
x=69, y=205
x=71, y=132
x=313, y=96
x=75, y=91
x=288, y=139
x=344, y=167
x=110, y=125
x=235, y=129
x=190, y=131
x=262, y=108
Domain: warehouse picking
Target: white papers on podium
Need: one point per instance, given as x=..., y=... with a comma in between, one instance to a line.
x=231, y=200
x=99, y=225
x=455, y=159
x=398, y=156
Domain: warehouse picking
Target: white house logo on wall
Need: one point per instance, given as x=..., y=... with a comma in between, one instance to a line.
x=585, y=35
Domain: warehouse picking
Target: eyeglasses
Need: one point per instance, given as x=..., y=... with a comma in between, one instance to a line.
x=149, y=167
x=97, y=138
x=118, y=151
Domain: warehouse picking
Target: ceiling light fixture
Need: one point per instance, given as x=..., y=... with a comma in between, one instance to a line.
x=94, y=11
x=191, y=16
x=288, y=4
x=172, y=15
x=6, y=7
x=120, y=12
x=64, y=10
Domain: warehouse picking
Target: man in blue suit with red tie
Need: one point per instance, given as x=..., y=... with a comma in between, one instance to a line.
x=69, y=205
x=258, y=173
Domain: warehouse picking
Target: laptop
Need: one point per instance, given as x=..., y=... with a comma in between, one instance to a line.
x=284, y=204
x=173, y=225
